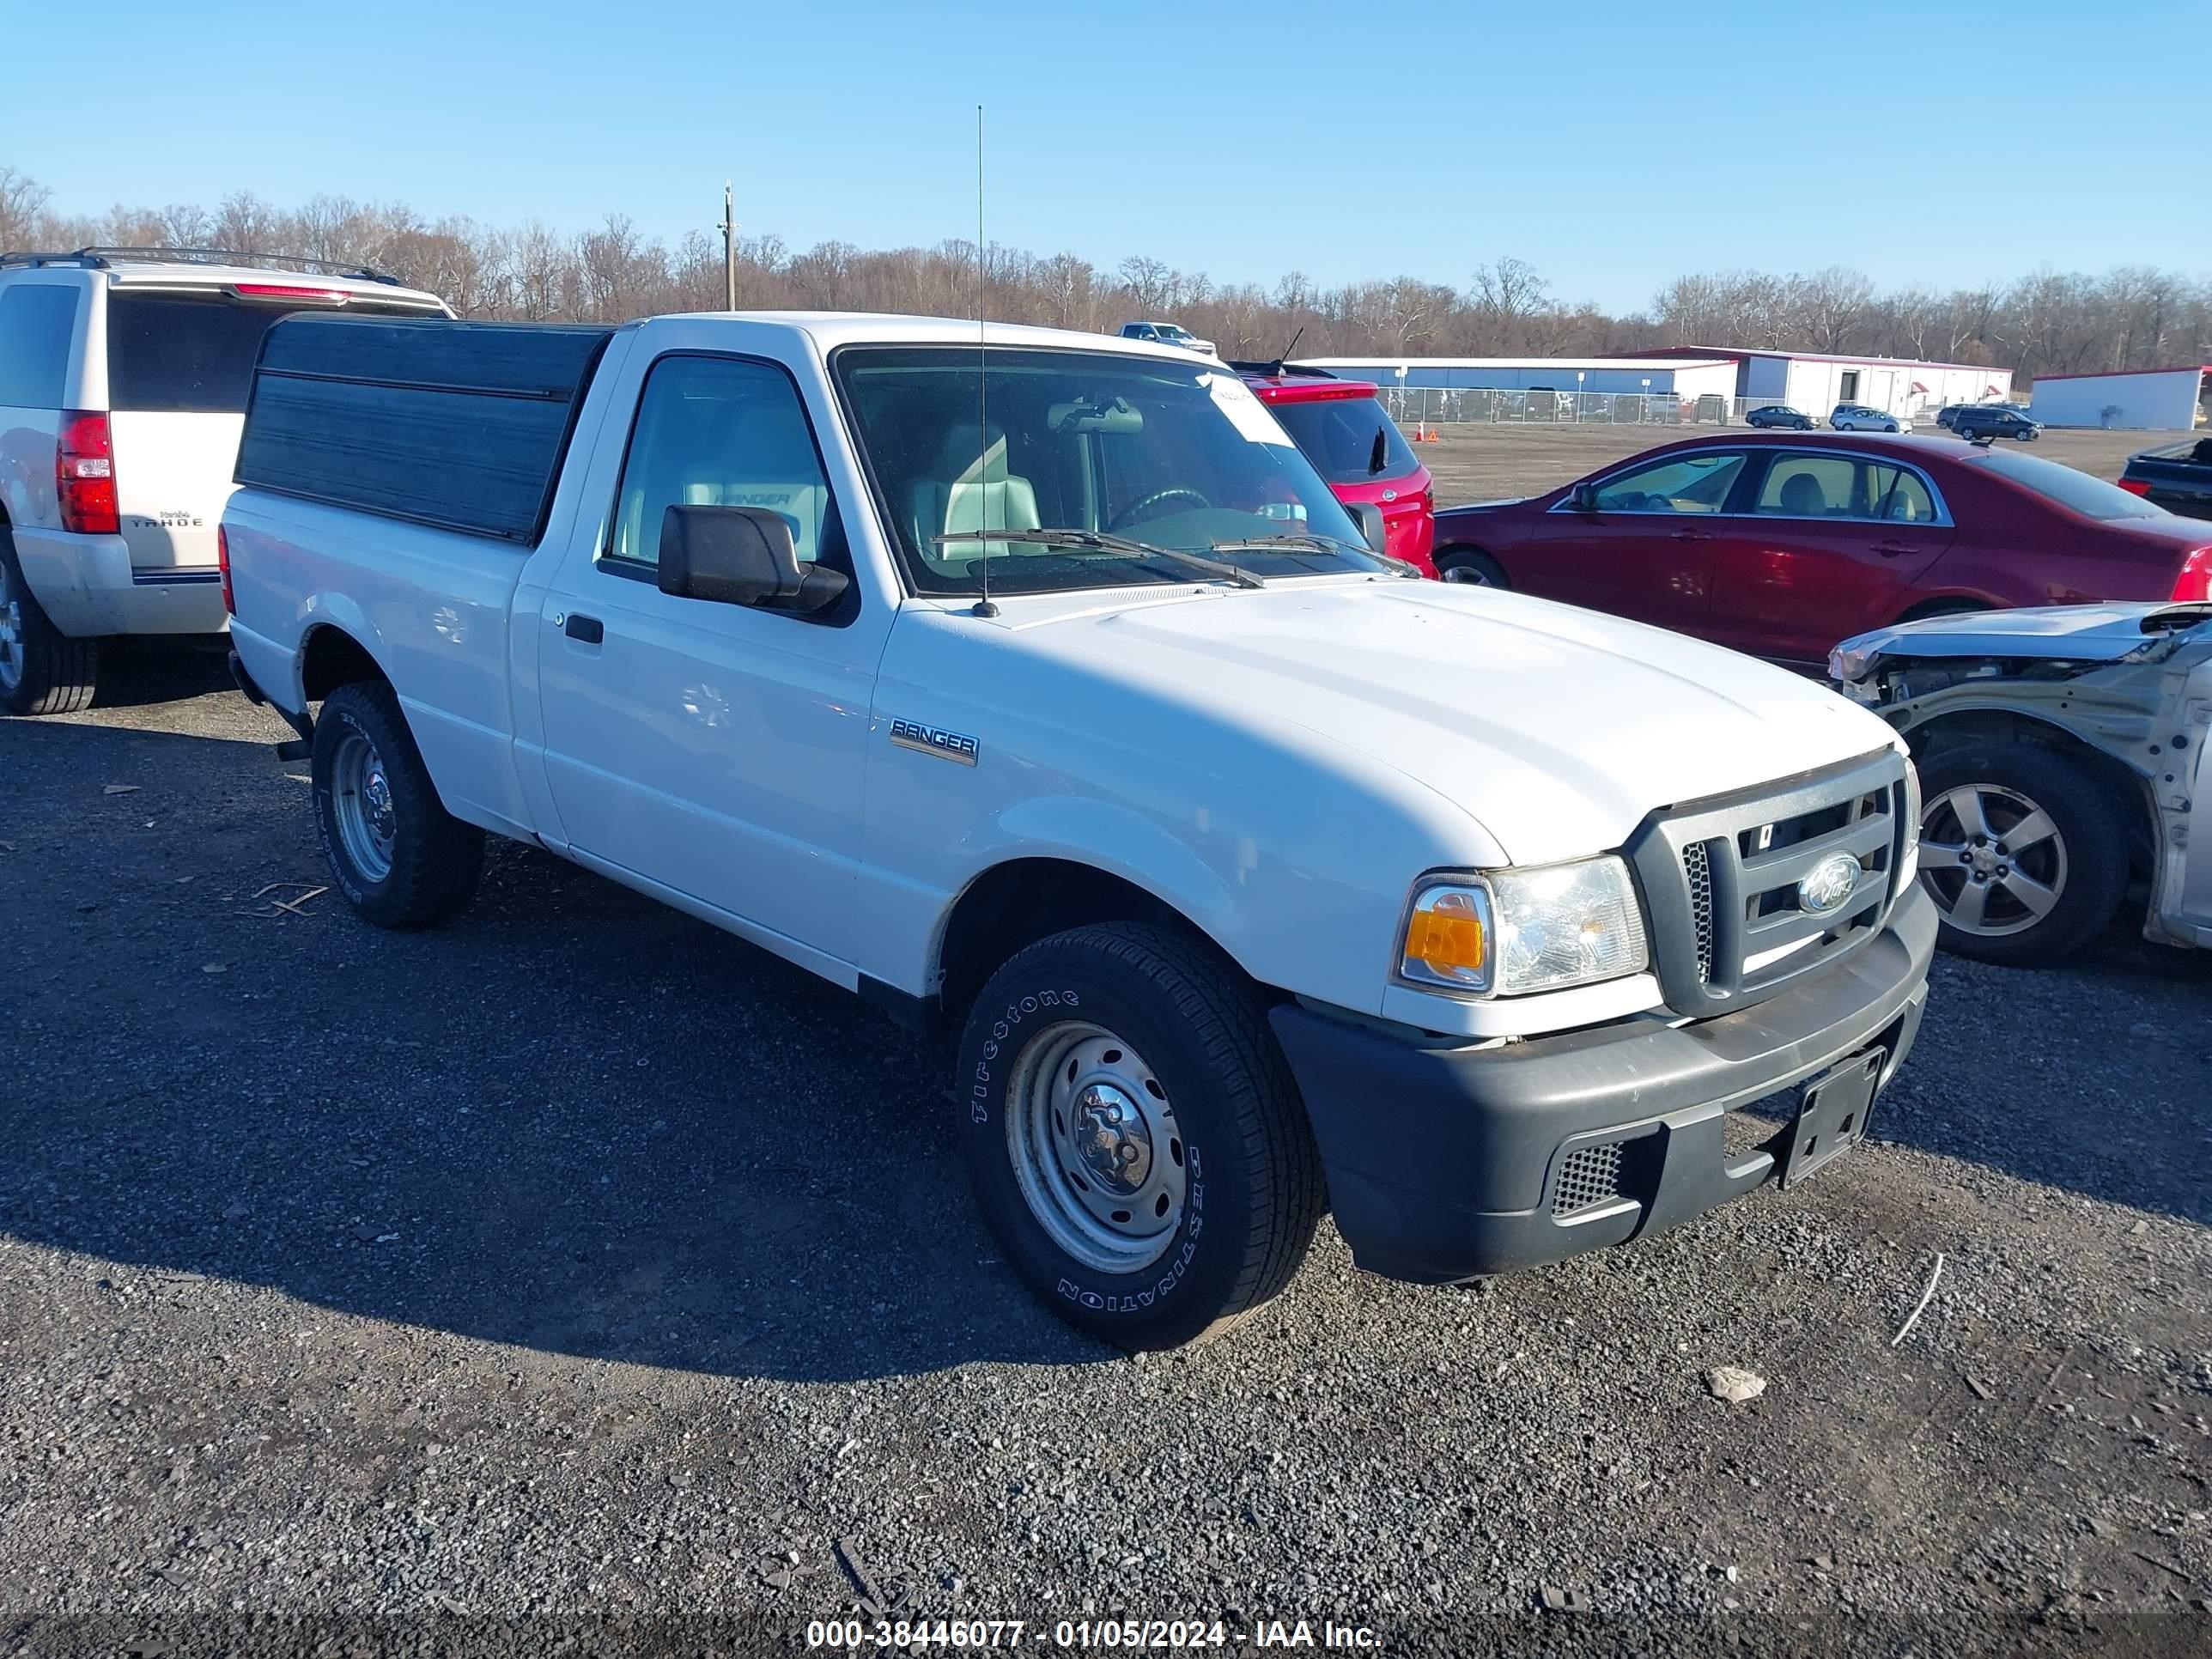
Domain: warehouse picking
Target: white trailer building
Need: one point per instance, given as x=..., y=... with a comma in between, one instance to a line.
x=2152, y=399
x=1686, y=378
x=1816, y=382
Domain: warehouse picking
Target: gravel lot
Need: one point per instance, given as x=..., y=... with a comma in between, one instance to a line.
x=577, y=1260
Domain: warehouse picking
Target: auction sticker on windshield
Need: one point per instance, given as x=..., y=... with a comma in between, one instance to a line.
x=1245, y=412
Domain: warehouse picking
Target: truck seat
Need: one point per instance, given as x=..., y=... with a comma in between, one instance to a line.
x=970, y=489
x=761, y=458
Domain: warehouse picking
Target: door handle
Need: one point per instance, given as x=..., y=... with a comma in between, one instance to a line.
x=590, y=630
x=1692, y=536
x=1892, y=550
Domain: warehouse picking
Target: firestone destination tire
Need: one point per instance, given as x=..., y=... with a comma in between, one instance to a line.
x=1135, y=1139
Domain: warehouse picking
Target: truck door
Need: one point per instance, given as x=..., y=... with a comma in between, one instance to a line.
x=715, y=751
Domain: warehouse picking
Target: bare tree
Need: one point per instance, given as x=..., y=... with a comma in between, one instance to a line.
x=2052, y=321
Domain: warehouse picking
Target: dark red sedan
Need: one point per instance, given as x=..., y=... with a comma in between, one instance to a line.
x=1781, y=543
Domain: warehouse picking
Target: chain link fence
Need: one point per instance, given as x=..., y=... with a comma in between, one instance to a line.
x=1413, y=406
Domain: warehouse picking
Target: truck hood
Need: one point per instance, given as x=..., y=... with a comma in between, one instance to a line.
x=1557, y=730
x=2076, y=632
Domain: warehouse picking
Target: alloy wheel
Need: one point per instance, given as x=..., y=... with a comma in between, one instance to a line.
x=1992, y=860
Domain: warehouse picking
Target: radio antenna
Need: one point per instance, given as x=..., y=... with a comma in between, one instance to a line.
x=983, y=607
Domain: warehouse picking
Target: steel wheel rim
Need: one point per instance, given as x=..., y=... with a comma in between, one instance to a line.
x=1095, y=1148
x=1993, y=860
x=361, y=801
x=11, y=630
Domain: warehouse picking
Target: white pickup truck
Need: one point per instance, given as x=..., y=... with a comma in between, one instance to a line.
x=1037, y=690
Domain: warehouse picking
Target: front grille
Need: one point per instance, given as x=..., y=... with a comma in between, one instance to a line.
x=1588, y=1177
x=1698, y=872
x=1723, y=881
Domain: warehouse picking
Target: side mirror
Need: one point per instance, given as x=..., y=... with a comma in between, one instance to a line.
x=1583, y=498
x=739, y=555
x=1369, y=518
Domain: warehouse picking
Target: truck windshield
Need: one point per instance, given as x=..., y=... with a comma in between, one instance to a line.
x=1128, y=451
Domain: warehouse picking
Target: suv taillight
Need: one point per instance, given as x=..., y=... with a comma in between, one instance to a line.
x=2194, y=583
x=84, y=474
x=223, y=563
x=2134, y=486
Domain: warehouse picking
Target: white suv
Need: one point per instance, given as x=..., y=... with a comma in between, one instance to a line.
x=123, y=374
x=1860, y=417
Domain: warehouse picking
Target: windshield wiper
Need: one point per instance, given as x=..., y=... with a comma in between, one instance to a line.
x=1099, y=542
x=1319, y=543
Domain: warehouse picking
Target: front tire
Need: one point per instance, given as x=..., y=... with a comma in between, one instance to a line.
x=397, y=855
x=2024, y=851
x=1135, y=1139
x=42, y=670
x=1465, y=565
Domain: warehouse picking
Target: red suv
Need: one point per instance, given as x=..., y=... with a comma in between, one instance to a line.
x=1359, y=450
x=1781, y=543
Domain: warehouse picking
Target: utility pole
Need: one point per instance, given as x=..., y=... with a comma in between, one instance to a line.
x=729, y=230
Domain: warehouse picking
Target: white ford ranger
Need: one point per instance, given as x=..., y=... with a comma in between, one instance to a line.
x=123, y=378
x=1039, y=690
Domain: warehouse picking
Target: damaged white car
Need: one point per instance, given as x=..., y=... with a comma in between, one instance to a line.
x=2062, y=752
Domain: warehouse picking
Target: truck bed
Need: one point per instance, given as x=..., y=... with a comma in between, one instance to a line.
x=2177, y=477
x=462, y=426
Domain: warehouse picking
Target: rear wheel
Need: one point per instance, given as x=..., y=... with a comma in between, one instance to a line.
x=1135, y=1139
x=1471, y=569
x=398, y=856
x=2024, y=851
x=42, y=670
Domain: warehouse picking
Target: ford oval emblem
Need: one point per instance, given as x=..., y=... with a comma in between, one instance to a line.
x=1830, y=885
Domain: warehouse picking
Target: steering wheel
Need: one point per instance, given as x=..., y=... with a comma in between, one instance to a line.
x=1131, y=512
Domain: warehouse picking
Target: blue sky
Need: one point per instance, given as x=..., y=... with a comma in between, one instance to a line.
x=1613, y=145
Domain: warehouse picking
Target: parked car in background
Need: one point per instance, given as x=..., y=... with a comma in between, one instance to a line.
x=1781, y=415
x=1172, y=334
x=2177, y=477
x=2060, y=751
x=1055, y=735
x=1990, y=421
x=1344, y=430
x=1949, y=413
x=1862, y=417
x=123, y=373
x=1780, y=544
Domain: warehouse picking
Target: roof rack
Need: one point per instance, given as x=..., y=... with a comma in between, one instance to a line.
x=105, y=258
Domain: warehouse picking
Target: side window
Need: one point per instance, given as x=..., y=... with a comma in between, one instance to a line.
x=1901, y=497
x=1812, y=486
x=1691, y=484
x=713, y=432
x=36, y=321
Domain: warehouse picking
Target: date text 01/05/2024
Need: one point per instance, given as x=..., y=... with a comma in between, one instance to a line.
x=1088, y=1633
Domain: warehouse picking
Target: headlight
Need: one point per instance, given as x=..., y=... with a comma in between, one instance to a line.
x=1912, y=865
x=1508, y=932
x=1847, y=664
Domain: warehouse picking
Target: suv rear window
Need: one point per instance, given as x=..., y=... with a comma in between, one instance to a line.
x=1341, y=436
x=191, y=354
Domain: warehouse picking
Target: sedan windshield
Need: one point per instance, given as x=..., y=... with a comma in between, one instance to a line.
x=1127, y=466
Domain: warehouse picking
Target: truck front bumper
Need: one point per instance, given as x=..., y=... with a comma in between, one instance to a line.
x=88, y=589
x=1446, y=1162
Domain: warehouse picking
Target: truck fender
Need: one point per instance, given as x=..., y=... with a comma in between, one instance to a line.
x=343, y=613
x=1111, y=838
